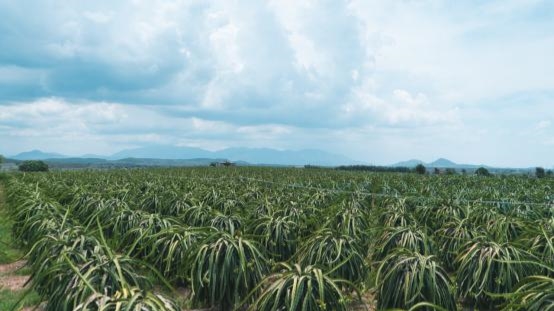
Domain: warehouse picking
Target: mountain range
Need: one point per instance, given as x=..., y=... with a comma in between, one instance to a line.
x=245, y=155
x=439, y=163
x=164, y=155
x=37, y=155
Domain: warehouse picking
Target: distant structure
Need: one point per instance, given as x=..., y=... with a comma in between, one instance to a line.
x=225, y=163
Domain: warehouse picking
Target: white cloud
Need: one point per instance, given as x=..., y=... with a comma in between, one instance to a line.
x=401, y=108
x=544, y=124
x=287, y=74
x=98, y=16
x=77, y=128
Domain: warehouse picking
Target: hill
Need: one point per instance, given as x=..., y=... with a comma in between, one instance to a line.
x=36, y=155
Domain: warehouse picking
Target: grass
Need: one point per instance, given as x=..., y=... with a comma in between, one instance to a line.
x=8, y=253
x=9, y=299
x=12, y=300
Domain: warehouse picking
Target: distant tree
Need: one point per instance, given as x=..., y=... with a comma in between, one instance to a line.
x=482, y=172
x=549, y=173
x=450, y=171
x=420, y=169
x=464, y=171
x=372, y=168
x=310, y=166
x=213, y=164
x=539, y=172
x=1, y=159
x=228, y=163
x=437, y=171
x=33, y=166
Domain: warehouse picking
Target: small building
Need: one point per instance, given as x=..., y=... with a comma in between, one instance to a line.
x=224, y=163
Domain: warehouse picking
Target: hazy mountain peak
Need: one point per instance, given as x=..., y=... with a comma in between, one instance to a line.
x=409, y=163
x=37, y=155
x=442, y=162
x=250, y=155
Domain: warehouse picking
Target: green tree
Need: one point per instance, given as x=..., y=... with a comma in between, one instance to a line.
x=1, y=159
x=540, y=172
x=33, y=166
x=482, y=172
x=420, y=169
x=450, y=171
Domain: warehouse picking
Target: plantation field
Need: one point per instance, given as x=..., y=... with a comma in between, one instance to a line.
x=284, y=239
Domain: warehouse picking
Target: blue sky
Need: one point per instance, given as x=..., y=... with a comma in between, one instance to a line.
x=378, y=81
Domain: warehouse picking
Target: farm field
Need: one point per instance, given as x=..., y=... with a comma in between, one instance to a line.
x=230, y=238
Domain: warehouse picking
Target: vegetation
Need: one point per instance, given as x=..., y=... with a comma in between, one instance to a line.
x=420, y=169
x=296, y=288
x=407, y=278
x=33, y=166
x=540, y=172
x=535, y=293
x=10, y=300
x=374, y=168
x=481, y=171
x=281, y=239
x=487, y=268
x=225, y=269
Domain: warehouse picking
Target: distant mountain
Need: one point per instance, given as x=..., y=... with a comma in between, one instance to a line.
x=92, y=156
x=76, y=163
x=250, y=155
x=442, y=162
x=409, y=163
x=284, y=157
x=37, y=155
x=439, y=163
x=151, y=154
x=161, y=152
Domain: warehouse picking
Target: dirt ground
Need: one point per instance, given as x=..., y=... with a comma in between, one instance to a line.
x=9, y=279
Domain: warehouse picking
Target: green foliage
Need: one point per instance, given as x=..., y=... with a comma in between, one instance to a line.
x=212, y=230
x=301, y=288
x=8, y=251
x=168, y=250
x=420, y=169
x=10, y=300
x=225, y=268
x=352, y=219
x=542, y=245
x=128, y=299
x=336, y=252
x=409, y=238
x=407, y=278
x=277, y=235
x=481, y=171
x=72, y=281
x=33, y=166
x=450, y=238
x=540, y=172
x=229, y=223
x=487, y=268
x=535, y=293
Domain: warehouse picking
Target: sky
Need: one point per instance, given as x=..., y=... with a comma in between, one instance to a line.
x=377, y=81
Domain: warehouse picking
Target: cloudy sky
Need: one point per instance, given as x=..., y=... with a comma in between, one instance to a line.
x=378, y=81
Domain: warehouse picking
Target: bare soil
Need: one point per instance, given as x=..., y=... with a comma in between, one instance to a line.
x=11, y=267
x=8, y=279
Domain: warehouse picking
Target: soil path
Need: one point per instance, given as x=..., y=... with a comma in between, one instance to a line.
x=9, y=279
